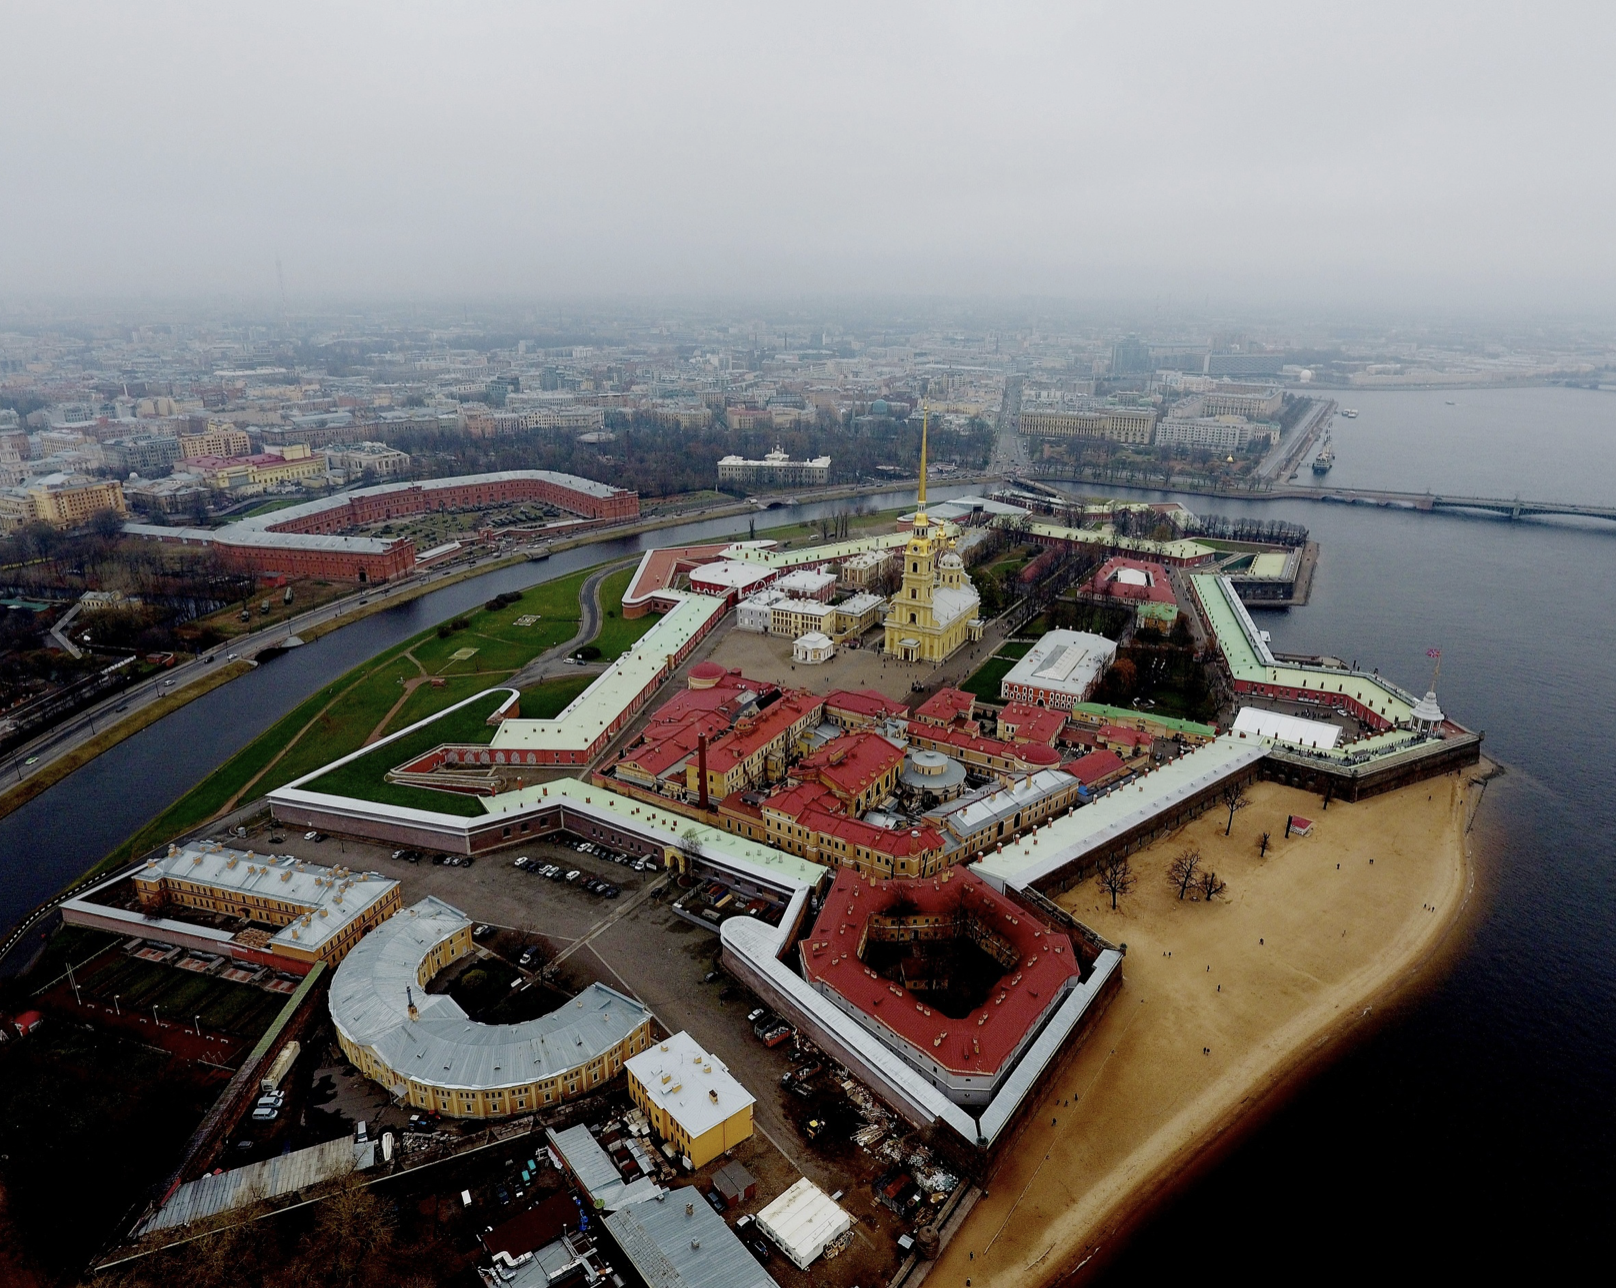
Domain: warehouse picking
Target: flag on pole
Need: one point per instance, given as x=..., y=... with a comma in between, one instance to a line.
x=1433, y=652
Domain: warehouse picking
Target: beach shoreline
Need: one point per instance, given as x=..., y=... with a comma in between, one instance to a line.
x=1134, y=1142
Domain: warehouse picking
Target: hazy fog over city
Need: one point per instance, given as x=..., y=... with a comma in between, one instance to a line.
x=1168, y=154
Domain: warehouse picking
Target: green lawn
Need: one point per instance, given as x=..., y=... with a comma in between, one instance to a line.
x=426, y=700
x=501, y=644
x=365, y=694
x=618, y=635
x=1015, y=648
x=984, y=681
x=365, y=778
x=548, y=700
x=241, y=1010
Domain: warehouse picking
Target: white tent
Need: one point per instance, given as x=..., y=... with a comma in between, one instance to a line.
x=813, y=648
x=1318, y=734
x=802, y=1221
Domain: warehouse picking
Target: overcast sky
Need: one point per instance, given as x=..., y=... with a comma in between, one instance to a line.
x=1354, y=154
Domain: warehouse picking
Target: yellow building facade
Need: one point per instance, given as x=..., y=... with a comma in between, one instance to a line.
x=690, y=1099
x=936, y=610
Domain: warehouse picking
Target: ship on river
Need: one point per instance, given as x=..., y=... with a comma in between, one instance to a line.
x=1325, y=459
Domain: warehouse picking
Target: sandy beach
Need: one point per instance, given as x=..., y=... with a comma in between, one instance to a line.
x=1220, y=1003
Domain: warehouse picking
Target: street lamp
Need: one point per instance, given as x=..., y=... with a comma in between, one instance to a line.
x=116, y=1009
x=155, y=1020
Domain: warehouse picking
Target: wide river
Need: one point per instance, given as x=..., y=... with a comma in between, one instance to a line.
x=1474, y=1128
x=1473, y=1134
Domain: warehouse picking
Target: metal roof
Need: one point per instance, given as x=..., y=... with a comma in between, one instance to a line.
x=1068, y=838
x=678, y=1241
x=1190, y=551
x=327, y=899
x=211, y=1195
x=1062, y=662
x=372, y=990
x=597, y=1175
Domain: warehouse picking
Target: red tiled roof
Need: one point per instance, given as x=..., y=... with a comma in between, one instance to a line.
x=1095, y=766
x=1120, y=733
x=945, y=706
x=900, y=842
x=745, y=738
x=1104, y=582
x=965, y=741
x=864, y=702
x=851, y=763
x=980, y=1042
x=1033, y=724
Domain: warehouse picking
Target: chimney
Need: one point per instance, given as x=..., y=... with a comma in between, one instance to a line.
x=410, y=998
x=701, y=767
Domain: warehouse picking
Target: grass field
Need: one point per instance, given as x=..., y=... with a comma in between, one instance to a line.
x=1015, y=648
x=984, y=681
x=338, y=719
x=617, y=635
x=366, y=777
x=861, y=525
x=548, y=700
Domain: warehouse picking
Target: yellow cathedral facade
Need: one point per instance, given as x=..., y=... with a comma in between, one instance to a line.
x=936, y=611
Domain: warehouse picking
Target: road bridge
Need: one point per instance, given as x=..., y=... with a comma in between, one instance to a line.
x=1507, y=507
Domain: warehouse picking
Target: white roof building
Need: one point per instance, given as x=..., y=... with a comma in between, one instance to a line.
x=727, y=575
x=808, y=583
x=1317, y=734
x=813, y=648
x=1061, y=670
x=756, y=612
x=802, y=1221
x=695, y=1088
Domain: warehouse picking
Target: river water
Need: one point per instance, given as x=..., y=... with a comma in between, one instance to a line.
x=1472, y=1135
x=64, y=831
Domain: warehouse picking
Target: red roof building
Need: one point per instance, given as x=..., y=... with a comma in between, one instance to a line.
x=1146, y=586
x=855, y=708
x=982, y=754
x=947, y=707
x=860, y=768
x=753, y=751
x=811, y=821
x=1123, y=741
x=1019, y=722
x=1097, y=768
x=899, y=994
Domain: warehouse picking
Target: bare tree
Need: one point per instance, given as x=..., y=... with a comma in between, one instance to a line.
x=1210, y=886
x=1116, y=878
x=1183, y=870
x=1235, y=799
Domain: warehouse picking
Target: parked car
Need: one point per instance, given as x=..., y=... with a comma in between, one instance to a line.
x=482, y=931
x=265, y=1114
x=754, y=1016
x=574, y=875
x=715, y=1201
x=311, y=836
x=522, y=862
x=612, y=891
x=529, y=956
x=759, y=1249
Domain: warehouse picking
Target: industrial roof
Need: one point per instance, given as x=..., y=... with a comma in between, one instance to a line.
x=599, y=706
x=833, y=553
x=695, y=1087
x=1052, y=847
x=1062, y=662
x=328, y=898
x=678, y=1241
x=372, y=990
x=979, y=1043
x=302, y=1168
x=987, y=805
x=597, y=1175
x=730, y=573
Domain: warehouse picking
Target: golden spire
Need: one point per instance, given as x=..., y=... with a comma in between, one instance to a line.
x=925, y=416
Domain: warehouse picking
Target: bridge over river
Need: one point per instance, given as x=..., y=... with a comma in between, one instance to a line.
x=1508, y=507
x=1047, y=475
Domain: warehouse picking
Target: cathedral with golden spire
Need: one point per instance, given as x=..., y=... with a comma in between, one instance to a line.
x=936, y=610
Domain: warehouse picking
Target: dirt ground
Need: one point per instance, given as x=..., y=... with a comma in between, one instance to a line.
x=1219, y=1003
